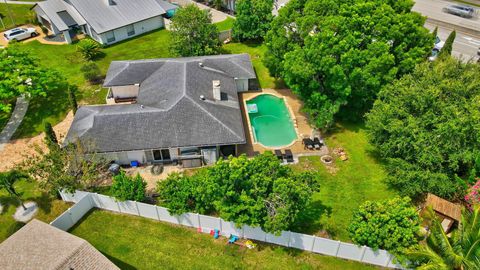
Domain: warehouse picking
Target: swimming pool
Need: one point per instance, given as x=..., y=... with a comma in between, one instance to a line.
x=271, y=123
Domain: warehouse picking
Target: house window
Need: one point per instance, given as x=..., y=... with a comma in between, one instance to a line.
x=130, y=30
x=110, y=36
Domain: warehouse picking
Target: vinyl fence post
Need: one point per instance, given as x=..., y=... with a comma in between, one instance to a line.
x=117, y=203
x=198, y=221
x=71, y=218
x=289, y=238
x=220, y=224
x=90, y=200
x=313, y=243
x=138, y=210
x=156, y=211
x=362, y=253
x=390, y=258
x=338, y=248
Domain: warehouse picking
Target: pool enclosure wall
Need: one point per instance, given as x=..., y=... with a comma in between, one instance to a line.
x=186, y=156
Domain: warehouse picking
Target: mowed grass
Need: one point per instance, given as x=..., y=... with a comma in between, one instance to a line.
x=139, y=243
x=225, y=24
x=19, y=13
x=359, y=179
x=49, y=208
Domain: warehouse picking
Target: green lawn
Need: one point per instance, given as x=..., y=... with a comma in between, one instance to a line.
x=49, y=208
x=139, y=243
x=20, y=15
x=357, y=180
x=225, y=24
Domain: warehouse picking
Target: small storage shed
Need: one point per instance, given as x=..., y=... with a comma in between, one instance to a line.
x=448, y=212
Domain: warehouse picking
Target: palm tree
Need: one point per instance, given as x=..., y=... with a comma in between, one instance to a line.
x=461, y=251
x=8, y=179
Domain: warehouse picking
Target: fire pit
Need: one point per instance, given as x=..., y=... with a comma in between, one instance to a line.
x=326, y=159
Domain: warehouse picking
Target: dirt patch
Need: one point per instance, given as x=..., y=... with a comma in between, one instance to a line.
x=16, y=151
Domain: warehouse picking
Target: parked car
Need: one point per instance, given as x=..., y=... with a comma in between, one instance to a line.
x=460, y=10
x=20, y=33
x=438, y=44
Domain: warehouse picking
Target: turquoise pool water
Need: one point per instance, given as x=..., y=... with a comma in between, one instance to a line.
x=271, y=123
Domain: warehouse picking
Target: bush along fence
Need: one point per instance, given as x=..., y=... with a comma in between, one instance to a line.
x=85, y=201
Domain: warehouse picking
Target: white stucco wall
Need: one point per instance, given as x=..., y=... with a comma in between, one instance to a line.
x=242, y=85
x=124, y=158
x=127, y=91
x=140, y=28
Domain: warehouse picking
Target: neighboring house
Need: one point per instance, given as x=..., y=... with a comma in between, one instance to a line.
x=184, y=110
x=106, y=21
x=40, y=246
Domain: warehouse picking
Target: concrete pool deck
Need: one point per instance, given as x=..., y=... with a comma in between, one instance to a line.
x=294, y=105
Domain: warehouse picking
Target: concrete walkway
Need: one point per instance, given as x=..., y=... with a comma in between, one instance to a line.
x=14, y=122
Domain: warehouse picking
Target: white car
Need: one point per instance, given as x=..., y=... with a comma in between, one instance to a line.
x=438, y=44
x=20, y=33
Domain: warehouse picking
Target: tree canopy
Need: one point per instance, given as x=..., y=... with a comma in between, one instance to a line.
x=256, y=192
x=389, y=224
x=75, y=166
x=426, y=125
x=337, y=55
x=193, y=33
x=20, y=74
x=253, y=19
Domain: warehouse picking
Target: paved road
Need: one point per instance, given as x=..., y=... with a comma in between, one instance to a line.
x=432, y=9
x=465, y=45
x=14, y=121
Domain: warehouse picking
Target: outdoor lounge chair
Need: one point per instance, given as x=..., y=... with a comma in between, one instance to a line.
x=289, y=155
x=307, y=143
x=279, y=154
x=316, y=143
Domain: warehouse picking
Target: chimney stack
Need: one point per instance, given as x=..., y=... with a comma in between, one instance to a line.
x=217, y=94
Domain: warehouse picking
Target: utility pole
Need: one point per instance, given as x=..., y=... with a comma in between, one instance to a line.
x=9, y=12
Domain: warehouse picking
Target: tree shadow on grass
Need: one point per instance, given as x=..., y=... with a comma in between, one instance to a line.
x=44, y=202
x=308, y=220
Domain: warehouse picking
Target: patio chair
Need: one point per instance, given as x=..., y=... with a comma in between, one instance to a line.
x=316, y=143
x=279, y=154
x=289, y=155
x=307, y=143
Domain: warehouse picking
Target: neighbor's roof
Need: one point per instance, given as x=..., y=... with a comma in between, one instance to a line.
x=60, y=13
x=444, y=207
x=40, y=246
x=103, y=17
x=169, y=111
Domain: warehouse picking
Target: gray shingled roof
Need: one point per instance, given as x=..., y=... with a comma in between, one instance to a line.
x=55, y=10
x=169, y=111
x=40, y=246
x=103, y=17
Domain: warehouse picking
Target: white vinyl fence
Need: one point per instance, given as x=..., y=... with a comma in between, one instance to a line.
x=84, y=201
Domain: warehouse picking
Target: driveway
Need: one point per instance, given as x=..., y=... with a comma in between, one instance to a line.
x=40, y=37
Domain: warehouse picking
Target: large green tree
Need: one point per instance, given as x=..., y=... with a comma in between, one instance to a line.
x=74, y=166
x=392, y=224
x=337, y=55
x=20, y=74
x=253, y=19
x=458, y=251
x=426, y=125
x=193, y=33
x=256, y=192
